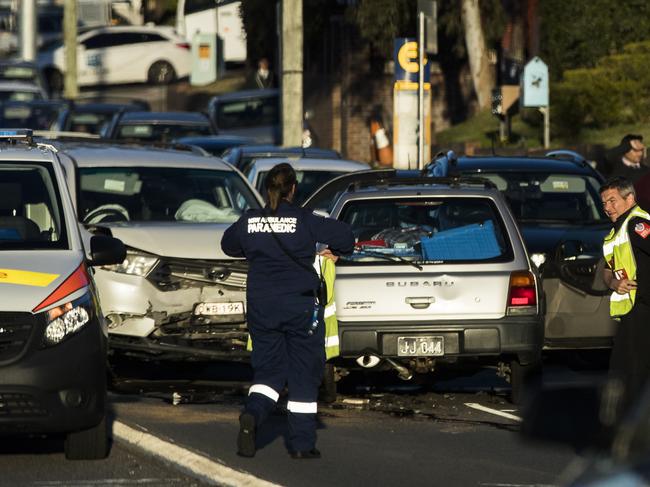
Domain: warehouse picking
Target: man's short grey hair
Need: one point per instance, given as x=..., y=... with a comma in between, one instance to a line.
x=623, y=185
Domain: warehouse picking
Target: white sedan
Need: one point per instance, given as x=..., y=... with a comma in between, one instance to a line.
x=121, y=54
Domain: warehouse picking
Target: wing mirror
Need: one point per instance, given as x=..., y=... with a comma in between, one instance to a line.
x=106, y=250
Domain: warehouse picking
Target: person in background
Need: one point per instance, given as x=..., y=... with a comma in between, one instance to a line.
x=627, y=273
x=627, y=159
x=285, y=320
x=263, y=77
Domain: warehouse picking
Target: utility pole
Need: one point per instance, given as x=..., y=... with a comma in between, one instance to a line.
x=291, y=52
x=71, y=90
x=28, y=30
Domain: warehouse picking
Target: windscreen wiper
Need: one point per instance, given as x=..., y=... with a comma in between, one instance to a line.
x=391, y=257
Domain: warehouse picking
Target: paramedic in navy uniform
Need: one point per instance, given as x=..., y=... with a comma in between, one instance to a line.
x=280, y=300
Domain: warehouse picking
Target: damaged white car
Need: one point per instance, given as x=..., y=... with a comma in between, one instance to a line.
x=176, y=295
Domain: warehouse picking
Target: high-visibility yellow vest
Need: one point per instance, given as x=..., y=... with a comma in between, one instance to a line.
x=328, y=270
x=620, y=259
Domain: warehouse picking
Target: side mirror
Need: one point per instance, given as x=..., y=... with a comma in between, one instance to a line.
x=321, y=212
x=106, y=251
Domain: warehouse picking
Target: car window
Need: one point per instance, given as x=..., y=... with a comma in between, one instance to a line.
x=30, y=208
x=91, y=123
x=33, y=117
x=111, y=40
x=162, y=194
x=160, y=132
x=570, y=198
x=19, y=73
x=426, y=230
x=248, y=113
x=18, y=95
x=307, y=182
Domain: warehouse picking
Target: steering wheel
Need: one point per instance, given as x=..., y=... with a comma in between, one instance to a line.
x=107, y=213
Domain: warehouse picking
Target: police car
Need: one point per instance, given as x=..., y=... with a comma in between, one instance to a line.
x=53, y=337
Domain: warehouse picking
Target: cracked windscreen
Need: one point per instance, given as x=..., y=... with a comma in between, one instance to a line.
x=141, y=194
x=550, y=197
x=426, y=230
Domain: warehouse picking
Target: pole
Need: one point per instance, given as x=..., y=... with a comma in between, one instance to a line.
x=28, y=30
x=546, y=111
x=421, y=90
x=71, y=90
x=292, y=46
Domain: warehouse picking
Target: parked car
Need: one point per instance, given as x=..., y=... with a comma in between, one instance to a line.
x=23, y=71
x=176, y=295
x=53, y=333
x=21, y=91
x=440, y=275
x=242, y=156
x=215, y=144
x=255, y=114
x=311, y=173
x=35, y=115
x=250, y=113
x=92, y=118
x=157, y=126
x=121, y=54
x=556, y=202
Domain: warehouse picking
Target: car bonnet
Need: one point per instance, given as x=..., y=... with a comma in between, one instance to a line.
x=27, y=278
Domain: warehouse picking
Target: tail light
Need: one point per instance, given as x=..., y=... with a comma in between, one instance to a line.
x=184, y=45
x=77, y=280
x=522, y=297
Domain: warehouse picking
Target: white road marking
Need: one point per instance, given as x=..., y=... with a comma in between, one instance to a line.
x=480, y=407
x=198, y=465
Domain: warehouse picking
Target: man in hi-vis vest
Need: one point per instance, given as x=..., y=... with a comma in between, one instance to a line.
x=627, y=252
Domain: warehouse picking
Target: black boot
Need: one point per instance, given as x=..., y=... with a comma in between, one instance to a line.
x=246, y=438
x=304, y=455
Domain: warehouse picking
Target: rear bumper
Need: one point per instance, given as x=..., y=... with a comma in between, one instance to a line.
x=513, y=336
x=59, y=389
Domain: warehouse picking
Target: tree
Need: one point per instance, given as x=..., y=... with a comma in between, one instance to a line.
x=482, y=74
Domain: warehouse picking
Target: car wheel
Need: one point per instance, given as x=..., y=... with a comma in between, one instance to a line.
x=161, y=73
x=522, y=379
x=327, y=392
x=54, y=79
x=89, y=444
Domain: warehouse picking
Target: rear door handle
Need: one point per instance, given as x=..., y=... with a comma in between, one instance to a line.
x=420, y=302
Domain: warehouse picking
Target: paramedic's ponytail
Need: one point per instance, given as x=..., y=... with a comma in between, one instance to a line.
x=278, y=183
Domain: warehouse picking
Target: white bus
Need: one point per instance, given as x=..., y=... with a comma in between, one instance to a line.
x=219, y=17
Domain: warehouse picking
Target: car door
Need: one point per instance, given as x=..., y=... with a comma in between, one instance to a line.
x=132, y=54
x=92, y=59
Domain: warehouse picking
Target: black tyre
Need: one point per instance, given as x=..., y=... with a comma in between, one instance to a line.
x=327, y=392
x=523, y=379
x=90, y=444
x=54, y=79
x=161, y=73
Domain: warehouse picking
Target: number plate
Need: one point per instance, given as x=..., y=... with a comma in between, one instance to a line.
x=420, y=346
x=211, y=309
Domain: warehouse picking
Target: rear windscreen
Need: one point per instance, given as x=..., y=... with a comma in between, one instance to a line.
x=429, y=230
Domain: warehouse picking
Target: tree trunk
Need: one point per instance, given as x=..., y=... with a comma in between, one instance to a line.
x=479, y=65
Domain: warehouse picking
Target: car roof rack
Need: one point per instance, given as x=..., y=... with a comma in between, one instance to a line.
x=452, y=181
x=13, y=136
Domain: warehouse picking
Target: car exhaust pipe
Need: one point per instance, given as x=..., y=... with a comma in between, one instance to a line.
x=402, y=372
x=369, y=360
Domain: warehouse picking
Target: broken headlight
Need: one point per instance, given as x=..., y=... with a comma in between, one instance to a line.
x=137, y=263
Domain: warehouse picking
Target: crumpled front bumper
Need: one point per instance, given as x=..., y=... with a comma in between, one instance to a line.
x=156, y=316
